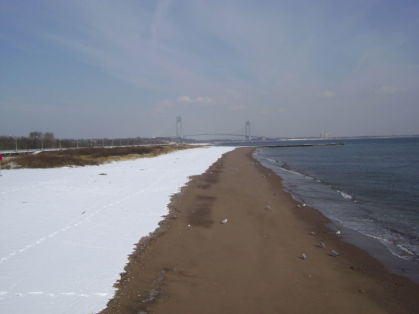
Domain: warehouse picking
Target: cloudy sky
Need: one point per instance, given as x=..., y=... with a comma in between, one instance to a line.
x=127, y=68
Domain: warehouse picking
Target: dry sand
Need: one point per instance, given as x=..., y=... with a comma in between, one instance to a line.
x=251, y=264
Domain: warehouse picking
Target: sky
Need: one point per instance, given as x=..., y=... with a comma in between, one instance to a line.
x=127, y=68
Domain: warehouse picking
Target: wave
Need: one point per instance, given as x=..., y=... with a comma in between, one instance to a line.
x=286, y=168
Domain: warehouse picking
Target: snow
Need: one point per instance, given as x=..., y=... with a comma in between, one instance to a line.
x=66, y=233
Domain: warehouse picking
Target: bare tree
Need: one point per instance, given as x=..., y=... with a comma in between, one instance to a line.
x=35, y=138
x=49, y=139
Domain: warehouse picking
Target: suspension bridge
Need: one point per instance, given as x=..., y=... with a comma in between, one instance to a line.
x=247, y=135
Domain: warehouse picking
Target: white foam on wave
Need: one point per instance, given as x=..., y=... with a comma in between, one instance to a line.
x=391, y=245
x=404, y=249
x=292, y=172
x=346, y=196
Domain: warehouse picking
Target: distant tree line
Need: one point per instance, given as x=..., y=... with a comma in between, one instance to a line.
x=47, y=140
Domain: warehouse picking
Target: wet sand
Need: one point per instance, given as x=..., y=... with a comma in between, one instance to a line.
x=251, y=264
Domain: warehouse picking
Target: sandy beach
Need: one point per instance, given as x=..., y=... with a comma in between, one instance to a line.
x=252, y=262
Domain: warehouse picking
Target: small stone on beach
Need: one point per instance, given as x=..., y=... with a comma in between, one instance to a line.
x=338, y=232
x=322, y=244
x=303, y=256
x=154, y=293
x=312, y=233
x=224, y=221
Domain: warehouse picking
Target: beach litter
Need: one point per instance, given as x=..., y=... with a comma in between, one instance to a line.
x=224, y=221
x=303, y=256
x=333, y=253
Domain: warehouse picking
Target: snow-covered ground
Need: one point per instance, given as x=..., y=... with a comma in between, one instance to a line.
x=65, y=234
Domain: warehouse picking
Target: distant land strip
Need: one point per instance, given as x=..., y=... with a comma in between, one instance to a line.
x=303, y=145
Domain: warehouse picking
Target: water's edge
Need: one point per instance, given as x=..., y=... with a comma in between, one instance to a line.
x=371, y=245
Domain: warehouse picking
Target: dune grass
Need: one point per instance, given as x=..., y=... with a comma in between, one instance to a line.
x=87, y=156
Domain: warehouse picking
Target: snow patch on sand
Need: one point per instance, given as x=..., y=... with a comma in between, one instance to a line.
x=66, y=233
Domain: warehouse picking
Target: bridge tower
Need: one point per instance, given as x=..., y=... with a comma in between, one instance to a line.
x=247, y=133
x=179, y=128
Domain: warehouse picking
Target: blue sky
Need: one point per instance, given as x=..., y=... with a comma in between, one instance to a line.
x=128, y=68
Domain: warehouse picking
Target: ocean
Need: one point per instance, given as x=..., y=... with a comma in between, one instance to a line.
x=368, y=188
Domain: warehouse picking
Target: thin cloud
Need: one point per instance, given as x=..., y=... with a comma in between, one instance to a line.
x=203, y=100
x=236, y=107
x=170, y=104
x=389, y=90
x=194, y=100
x=327, y=94
x=185, y=99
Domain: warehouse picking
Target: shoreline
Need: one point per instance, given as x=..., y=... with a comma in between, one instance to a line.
x=251, y=264
x=372, y=245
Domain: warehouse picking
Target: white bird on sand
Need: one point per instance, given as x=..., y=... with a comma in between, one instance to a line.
x=334, y=253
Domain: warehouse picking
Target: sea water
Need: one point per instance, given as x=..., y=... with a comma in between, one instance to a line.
x=368, y=187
